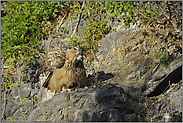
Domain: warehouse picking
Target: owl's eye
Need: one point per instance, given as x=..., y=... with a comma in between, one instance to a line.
x=75, y=49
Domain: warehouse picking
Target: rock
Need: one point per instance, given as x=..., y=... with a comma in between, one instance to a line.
x=113, y=40
x=25, y=93
x=83, y=115
x=109, y=115
x=15, y=91
x=27, y=105
x=169, y=102
x=15, y=108
x=8, y=108
x=81, y=105
x=130, y=118
x=166, y=117
x=160, y=80
x=139, y=72
x=10, y=98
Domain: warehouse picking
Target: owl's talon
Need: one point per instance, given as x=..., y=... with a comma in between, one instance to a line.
x=66, y=90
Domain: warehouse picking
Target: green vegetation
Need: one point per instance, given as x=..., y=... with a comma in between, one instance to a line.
x=165, y=60
x=98, y=14
x=21, y=27
x=180, y=116
x=21, y=31
x=173, y=116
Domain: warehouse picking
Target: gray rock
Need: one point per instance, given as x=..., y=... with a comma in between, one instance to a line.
x=25, y=93
x=139, y=72
x=14, y=109
x=8, y=111
x=113, y=40
x=83, y=115
x=176, y=97
x=15, y=91
x=130, y=118
x=80, y=105
x=160, y=80
x=10, y=98
x=109, y=115
x=166, y=117
x=27, y=105
x=170, y=102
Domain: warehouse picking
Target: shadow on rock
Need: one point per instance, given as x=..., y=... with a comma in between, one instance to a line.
x=98, y=77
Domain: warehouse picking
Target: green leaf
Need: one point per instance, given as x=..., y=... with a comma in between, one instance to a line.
x=18, y=58
x=96, y=35
x=19, y=73
x=134, y=10
x=14, y=84
x=165, y=56
x=18, y=103
x=162, y=63
x=144, y=20
x=169, y=61
x=159, y=53
x=148, y=10
x=9, y=66
x=145, y=14
x=10, y=60
x=25, y=99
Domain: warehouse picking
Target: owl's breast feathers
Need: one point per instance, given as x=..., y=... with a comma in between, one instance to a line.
x=69, y=75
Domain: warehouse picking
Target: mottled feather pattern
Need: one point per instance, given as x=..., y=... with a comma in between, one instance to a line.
x=65, y=65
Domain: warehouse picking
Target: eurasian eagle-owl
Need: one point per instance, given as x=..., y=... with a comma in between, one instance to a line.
x=65, y=66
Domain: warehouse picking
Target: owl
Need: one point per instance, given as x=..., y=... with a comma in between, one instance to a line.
x=65, y=66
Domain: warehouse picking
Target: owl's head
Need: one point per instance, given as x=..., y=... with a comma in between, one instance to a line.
x=75, y=53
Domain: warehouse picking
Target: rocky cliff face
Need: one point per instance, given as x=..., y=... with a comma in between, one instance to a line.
x=124, y=83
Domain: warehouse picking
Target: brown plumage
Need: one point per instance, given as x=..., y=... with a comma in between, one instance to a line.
x=66, y=68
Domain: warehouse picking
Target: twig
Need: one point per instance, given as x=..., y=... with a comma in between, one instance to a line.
x=166, y=87
x=60, y=23
x=78, y=18
x=19, y=81
x=144, y=46
x=57, y=28
x=156, y=67
x=169, y=18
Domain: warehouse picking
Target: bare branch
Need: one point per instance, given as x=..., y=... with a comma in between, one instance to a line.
x=79, y=18
x=169, y=18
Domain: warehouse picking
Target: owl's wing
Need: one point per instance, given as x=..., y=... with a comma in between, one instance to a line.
x=48, y=65
x=46, y=83
x=43, y=67
x=55, y=59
